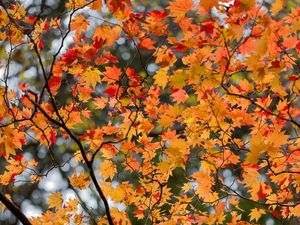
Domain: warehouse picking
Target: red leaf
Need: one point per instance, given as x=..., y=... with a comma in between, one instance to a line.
x=298, y=46
x=111, y=90
x=110, y=57
x=19, y=157
x=293, y=78
x=179, y=47
x=12, y=177
x=41, y=44
x=158, y=14
x=275, y=213
x=98, y=42
x=261, y=194
x=69, y=56
x=46, y=27
x=23, y=86
x=207, y=28
x=53, y=137
x=54, y=83
x=276, y=64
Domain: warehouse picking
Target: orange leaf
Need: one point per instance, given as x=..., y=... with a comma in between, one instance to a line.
x=112, y=74
x=179, y=96
x=79, y=23
x=179, y=8
x=79, y=181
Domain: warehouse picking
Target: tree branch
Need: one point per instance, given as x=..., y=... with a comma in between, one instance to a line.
x=14, y=210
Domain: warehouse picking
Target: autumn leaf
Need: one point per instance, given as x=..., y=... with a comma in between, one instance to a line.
x=79, y=23
x=109, y=151
x=107, y=169
x=117, y=194
x=179, y=8
x=261, y=193
x=96, y=5
x=55, y=200
x=277, y=6
x=146, y=43
x=179, y=95
x=112, y=74
x=255, y=214
x=54, y=84
x=111, y=90
x=91, y=76
x=207, y=5
x=100, y=102
x=164, y=109
x=161, y=77
x=79, y=181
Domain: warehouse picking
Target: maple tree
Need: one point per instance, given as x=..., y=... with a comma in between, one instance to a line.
x=185, y=113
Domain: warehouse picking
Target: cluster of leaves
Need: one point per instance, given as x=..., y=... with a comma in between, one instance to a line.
x=215, y=126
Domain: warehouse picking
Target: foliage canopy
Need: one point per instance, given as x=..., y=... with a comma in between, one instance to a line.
x=181, y=112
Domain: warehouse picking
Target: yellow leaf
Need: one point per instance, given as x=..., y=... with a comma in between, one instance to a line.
x=117, y=194
x=79, y=181
x=107, y=169
x=277, y=6
x=146, y=126
x=55, y=200
x=257, y=146
x=178, y=79
x=161, y=77
x=91, y=76
x=255, y=214
x=204, y=189
x=295, y=211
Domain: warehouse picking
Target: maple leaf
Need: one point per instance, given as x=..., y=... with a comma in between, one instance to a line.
x=207, y=5
x=91, y=76
x=179, y=95
x=74, y=4
x=112, y=74
x=139, y=214
x=100, y=102
x=261, y=194
x=70, y=55
x=108, y=34
x=109, y=151
x=255, y=214
x=79, y=181
x=118, y=194
x=161, y=77
x=134, y=77
x=84, y=93
x=146, y=43
x=112, y=90
x=277, y=6
x=179, y=8
x=79, y=23
x=295, y=210
x=222, y=98
x=54, y=84
x=107, y=169
x=96, y=5
x=55, y=200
